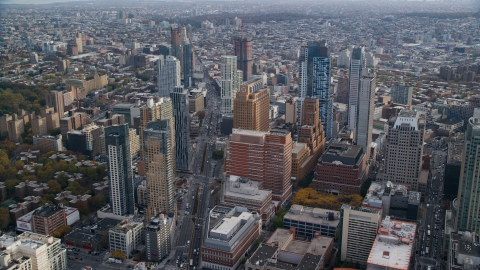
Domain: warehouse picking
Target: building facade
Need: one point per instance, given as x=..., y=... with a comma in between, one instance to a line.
x=307, y=221
x=251, y=107
x=48, y=219
x=404, y=151
x=357, y=65
x=169, y=72
x=230, y=83
x=120, y=173
x=126, y=237
x=365, y=110
x=181, y=117
x=402, y=94
x=242, y=47
x=159, y=237
x=159, y=167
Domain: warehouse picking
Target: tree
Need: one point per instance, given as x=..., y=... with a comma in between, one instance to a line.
x=54, y=187
x=4, y=218
x=62, y=231
x=118, y=254
x=4, y=161
x=62, y=179
x=75, y=188
x=18, y=165
x=55, y=131
x=10, y=186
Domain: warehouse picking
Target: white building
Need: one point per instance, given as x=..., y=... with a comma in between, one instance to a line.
x=344, y=58
x=126, y=236
x=52, y=47
x=356, y=66
x=230, y=83
x=32, y=251
x=168, y=75
x=371, y=60
x=159, y=237
x=366, y=103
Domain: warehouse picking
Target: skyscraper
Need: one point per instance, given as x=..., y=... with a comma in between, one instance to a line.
x=55, y=99
x=467, y=204
x=262, y=156
x=120, y=174
x=176, y=46
x=311, y=130
x=188, y=62
x=365, y=110
x=168, y=75
x=242, y=47
x=159, y=167
x=357, y=65
x=181, y=115
x=404, y=150
x=79, y=42
x=402, y=94
x=251, y=107
x=229, y=83
x=314, y=80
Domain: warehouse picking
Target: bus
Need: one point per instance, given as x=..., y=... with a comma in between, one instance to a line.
x=191, y=262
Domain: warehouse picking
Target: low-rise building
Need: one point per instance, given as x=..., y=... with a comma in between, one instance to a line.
x=394, y=245
x=48, y=219
x=126, y=236
x=244, y=192
x=283, y=251
x=230, y=233
x=48, y=143
x=308, y=220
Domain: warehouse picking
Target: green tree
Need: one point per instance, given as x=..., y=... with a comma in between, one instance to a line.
x=54, y=187
x=4, y=161
x=10, y=186
x=4, y=218
x=75, y=188
x=18, y=164
x=62, y=179
x=54, y=132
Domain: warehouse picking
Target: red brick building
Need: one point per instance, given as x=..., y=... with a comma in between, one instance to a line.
x=48, y=219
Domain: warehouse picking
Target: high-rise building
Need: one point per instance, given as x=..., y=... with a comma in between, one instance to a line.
x=188, y=62
x=48, y=219
x=168, y=75
x=159, y=167
x=120, y=173
x=357, y=65
x=311, y=129
x=262, y=156
x=358, y=232
x=242, y=47
x=53, y=121
x=39, y=125
x=365, y=111
x=79, y=42
x=467, y=204
x=342, y=90
x=85, y=141
x=229, y=83
x=55, y=99
x=15, y=128
x=344, y=58
x=314, y=80
x=176, y=46
x=159, y=237
x=402, y=94
x=404, y=150
x=251, y=107
x=32, y=251
x=181, y=117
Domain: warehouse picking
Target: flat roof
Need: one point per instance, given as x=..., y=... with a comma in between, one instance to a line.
x=312, y=215
x=393, y=245
x=245, y=188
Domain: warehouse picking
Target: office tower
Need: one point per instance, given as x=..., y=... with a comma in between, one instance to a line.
x=314, y=80
x=181, y=117
x=358, y=232
x=176, y=45
x=251, y=107
x=402, y=94
x=120, y=173
x=404, y=151
x=262, y=156
x=229, y=83
x=311, y=130
x=242, y=47
x=79, y=42
x=357, y=65
x=168, y=75
x=159, y=167
x=39, y=125
x=467, y=205
x=55, y=99
x=159, y=237
x=344, y=58
x=365, y=110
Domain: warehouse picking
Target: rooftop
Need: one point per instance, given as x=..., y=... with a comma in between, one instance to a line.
x=47, y=210
x=343, y=153
x=246, y=188
x=313, y=215
x=393, y=245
